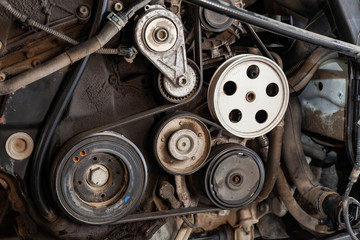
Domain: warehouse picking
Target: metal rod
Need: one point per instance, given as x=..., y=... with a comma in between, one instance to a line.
x=279, y=27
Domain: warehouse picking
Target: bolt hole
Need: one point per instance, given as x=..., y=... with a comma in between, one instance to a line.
x=76, y=159
x=253, y=71
x=236, y=179
x=235, y=116
x=79, y=182
x=261, y=116
x=109, y=160
x=250, y=96
x=229, y=88
x=117, y=172
x=272, y=90
x=95, y=158
x=82, y=153
x=320, y=86
x=102, y=195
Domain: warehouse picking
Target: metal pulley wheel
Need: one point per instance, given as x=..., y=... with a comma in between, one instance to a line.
x=185, y=89
x=100, y=178
x=248, y=95
x=182, y=144
x=234, y=176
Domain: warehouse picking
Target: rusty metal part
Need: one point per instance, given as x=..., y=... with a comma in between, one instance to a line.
x=248, y=217
x=248, y=95
x=19, y=146
x=323, y=113
x=279, y=27
x=167, y=191
x=182, y=144
x=183, y=192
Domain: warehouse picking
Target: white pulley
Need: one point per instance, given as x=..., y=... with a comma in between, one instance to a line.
x=248, y=95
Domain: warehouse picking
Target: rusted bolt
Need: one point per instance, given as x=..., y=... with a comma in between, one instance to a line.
x=118, y=6
x=35, y=63
x=83, y=11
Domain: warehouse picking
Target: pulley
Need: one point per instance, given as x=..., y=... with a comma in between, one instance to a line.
x=159, y=35
x=185, y=90
x=213, y=21
x=234, y=176
x=248, y=95
x=181, y=144
x=100, y=178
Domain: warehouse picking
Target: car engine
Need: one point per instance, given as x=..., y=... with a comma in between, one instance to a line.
x=171, y=119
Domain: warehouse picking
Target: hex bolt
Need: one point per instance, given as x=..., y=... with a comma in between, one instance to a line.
x=118, y=6
x=83, y=11
x=98, y=175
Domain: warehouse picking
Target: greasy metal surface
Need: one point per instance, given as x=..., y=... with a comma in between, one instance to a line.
x=324, y=100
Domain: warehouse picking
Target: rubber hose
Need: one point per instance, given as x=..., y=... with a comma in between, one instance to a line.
x=323, y=199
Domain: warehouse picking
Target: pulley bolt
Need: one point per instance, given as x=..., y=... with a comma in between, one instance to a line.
x=98, y=175
x=83, y=11
x=182, y=81
x=118, y=6
x=161, y=34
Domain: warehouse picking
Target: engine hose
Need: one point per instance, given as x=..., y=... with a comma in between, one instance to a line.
x=273, y=164
x=302, y=217
x=323, y=199
x=309, y=67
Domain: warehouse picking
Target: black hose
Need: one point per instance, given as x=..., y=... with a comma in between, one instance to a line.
x=323, y=199
x=59, y=105
x=279, y=27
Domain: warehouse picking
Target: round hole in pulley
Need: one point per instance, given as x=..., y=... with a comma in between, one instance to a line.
x=261, y=116
x=229, y=88
x=272, y=89
x=253, y=71
x=235, y=116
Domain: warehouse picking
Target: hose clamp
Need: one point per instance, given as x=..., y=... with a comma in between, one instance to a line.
x=117, y=19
